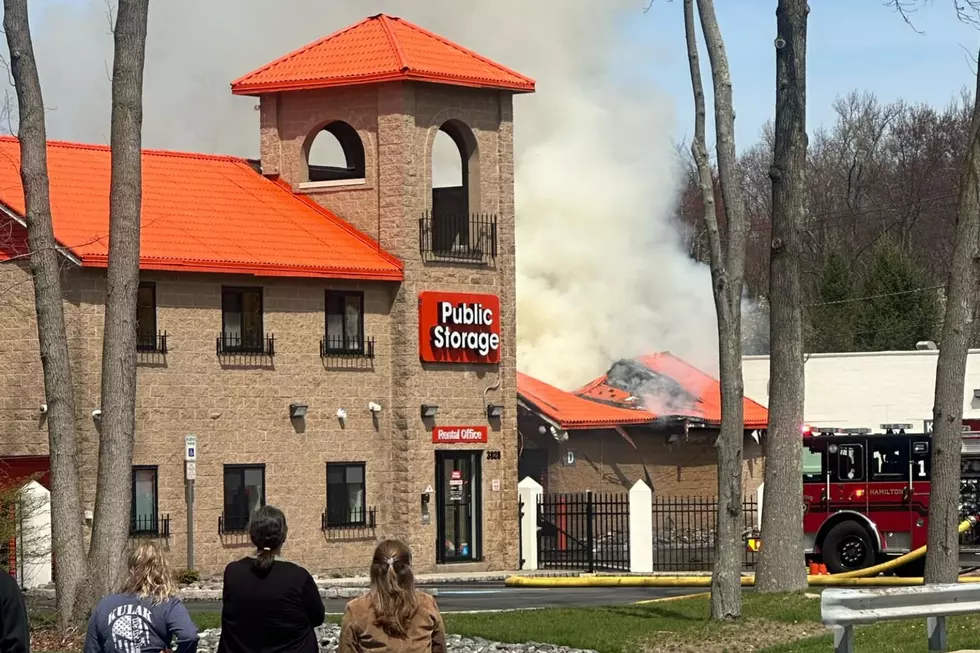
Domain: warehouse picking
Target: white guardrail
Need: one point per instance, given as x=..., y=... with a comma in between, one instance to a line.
x=842, y=609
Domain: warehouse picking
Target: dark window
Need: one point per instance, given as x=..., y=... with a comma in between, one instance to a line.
x=146, y=318
x=244, y=494
x=345, y=494
x=850, y=462
x=889, y=459
x=345, y=322
x=143, y=509
x=813, y=464
x=241, y=320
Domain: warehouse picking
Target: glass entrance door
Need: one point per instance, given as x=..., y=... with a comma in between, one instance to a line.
x=459, y=504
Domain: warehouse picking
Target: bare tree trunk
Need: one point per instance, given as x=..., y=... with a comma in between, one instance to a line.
x=942, y=560
x=727, y=266
x=110, y=532
x=66, y=505
x=781, y=563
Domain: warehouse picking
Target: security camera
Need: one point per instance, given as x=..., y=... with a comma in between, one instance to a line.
x=97, y=413
x=44, y=409
x=341, y=413
x=374, y=407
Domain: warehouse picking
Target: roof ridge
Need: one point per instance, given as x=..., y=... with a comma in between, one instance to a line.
x=338, y=221
x=300, y=50
x=465, y=50
x=393, y=41
x=97, y=147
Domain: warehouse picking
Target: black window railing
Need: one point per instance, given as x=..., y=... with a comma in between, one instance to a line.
x=233, y=523
x=149, y=526
x=236, y=343
x=458, y=237
x=356, y=519
x=151, y=343
x=341, y=346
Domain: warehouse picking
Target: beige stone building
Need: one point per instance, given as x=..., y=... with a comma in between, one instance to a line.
x=338, y=338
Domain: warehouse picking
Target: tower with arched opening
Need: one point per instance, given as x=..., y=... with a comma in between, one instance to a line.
x=409, y=138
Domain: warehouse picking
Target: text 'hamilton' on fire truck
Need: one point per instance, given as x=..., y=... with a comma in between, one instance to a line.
x=866, y=496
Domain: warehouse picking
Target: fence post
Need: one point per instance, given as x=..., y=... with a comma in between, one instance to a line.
x=936, y=629
x=641, y=528
x=590, y=530
x=529, y=492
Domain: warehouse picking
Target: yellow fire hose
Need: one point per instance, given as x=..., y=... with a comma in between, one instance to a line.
x=860, y=577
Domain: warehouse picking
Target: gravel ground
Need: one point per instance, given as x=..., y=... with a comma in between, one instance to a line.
x=329, y=635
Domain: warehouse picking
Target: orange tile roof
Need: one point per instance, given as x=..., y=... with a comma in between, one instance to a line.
x=571, y=412
x=380, y=48
x=693, y=381
x=201, y=213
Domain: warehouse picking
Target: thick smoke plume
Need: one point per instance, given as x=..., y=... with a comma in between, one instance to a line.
x=602, y=273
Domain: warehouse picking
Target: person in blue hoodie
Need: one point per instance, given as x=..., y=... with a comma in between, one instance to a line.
x=146, y=616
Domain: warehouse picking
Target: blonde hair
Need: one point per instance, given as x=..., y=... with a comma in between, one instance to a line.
x=150, y=575
x=393, y=588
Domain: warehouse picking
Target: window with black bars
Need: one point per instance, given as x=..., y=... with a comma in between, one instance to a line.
x=144, y=510
x=344, y=323
x=244, y=493
x=148, y=338
x=346, y=494
x=241, y=321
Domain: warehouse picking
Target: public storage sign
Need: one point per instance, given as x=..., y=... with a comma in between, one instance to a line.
x=459, y=434
x=459, y=328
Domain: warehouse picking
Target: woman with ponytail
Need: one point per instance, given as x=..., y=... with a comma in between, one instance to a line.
x=392, y=616
x=269, y=604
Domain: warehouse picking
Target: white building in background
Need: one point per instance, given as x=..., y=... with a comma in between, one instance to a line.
x=869, y=389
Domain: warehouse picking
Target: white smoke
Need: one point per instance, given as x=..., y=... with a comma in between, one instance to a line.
x=601, y=270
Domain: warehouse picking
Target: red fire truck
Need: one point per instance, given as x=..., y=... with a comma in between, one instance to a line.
x=866, y=495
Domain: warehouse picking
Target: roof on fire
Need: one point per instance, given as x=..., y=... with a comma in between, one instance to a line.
x=572, y=412
x=601, y=405
x=380, y=48
x=201, y=213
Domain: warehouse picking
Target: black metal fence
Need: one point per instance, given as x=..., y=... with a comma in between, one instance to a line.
x=351, y=346
x=588, y=532
x=249, y=343
x=151, y=343
x=684, y=532
x=458, y=236
x=150, y=526
x=350, y=522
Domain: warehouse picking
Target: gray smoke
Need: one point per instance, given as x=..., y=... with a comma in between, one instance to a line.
x=602, y=273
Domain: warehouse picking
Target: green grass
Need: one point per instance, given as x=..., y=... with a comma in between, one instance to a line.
x=769, y=624
x=684, y=625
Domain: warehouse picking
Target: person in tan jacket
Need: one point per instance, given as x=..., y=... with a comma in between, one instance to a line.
x=392, y=616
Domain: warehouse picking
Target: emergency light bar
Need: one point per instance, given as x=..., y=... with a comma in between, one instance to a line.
x=891, y=429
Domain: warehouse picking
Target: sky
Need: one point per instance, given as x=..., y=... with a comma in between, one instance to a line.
x=853, y=44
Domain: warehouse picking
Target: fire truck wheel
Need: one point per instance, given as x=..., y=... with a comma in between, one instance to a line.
x=847, y=547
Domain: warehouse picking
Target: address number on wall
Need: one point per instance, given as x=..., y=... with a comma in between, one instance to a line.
x=493, y=455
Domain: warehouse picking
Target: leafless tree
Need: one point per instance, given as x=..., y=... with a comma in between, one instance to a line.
x=80, y=579
x=780, y=562
x=112, y=501
x=727, y=262
x=942, y=561
x=66, y=504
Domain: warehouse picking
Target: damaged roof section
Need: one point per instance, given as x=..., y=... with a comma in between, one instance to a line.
x=652, y=390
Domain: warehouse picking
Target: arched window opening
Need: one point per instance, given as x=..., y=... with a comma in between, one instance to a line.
x=455, y=188
x=336, y=154
x=447, y=162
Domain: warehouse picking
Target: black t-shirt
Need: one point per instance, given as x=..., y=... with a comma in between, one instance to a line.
x=274, y=612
